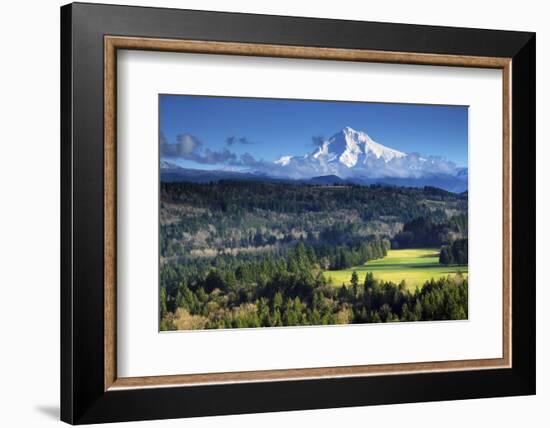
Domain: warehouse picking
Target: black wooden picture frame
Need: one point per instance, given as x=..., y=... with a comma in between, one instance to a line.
x=84, y=398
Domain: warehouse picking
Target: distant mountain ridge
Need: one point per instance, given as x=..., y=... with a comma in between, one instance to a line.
x=349, y=156
x=178, y=174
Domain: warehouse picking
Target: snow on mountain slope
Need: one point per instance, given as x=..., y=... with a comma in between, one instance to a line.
x=357, y=148
x=349, y=148
x=350, y=153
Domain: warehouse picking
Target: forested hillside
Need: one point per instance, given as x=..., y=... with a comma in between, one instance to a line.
x=250, y=254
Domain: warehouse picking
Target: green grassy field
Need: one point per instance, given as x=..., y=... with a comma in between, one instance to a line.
x=415, y=266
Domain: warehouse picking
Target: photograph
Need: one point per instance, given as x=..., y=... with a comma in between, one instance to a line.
x=290, y=212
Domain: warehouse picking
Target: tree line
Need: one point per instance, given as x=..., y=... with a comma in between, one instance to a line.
x=425, y=232
x=455, y=254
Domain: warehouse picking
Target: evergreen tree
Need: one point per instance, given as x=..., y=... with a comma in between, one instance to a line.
x=354, y=279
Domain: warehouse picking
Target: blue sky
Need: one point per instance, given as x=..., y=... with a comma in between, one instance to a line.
x=267, y=129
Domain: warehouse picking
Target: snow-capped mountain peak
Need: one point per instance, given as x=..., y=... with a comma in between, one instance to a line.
x=350, y=148
x=352, y=154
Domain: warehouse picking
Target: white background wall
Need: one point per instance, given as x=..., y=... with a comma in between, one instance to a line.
x=29, y=212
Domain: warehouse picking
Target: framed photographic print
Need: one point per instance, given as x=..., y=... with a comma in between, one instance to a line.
x=265, y=213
